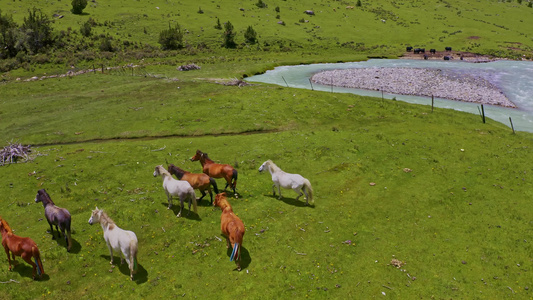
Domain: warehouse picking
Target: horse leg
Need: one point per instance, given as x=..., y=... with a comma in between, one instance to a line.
x=279, y=191
x=169, y=198
x=306, y=196
x=203, y=194
x=227, y=242
x=273, y=189
x=8, y=257
x=181, y=207
x=297, y=190
x=110, y=253
x=210, y=195
x=27, y=258
x=52, y=230
x=58, y=233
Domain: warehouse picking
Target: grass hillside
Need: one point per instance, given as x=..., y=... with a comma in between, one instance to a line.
x=409, y=203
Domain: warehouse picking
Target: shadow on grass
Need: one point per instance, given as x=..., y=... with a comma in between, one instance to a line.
x=292, y=201
x=26, y=270
x=185, y=212
x=76, y=247
x=246, y=259
x=140, y=277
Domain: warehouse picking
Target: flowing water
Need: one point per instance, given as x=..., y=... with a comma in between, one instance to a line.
x=514, y=78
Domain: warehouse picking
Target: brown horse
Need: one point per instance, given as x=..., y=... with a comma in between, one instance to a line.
x=55, y=216
x=20, y=246
x=231, y=226
x=198, y=181
x=217, y=170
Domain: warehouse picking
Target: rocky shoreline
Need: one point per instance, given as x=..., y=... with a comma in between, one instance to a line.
x=417, y=82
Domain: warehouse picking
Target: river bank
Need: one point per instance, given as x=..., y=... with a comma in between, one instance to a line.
x=417, y=82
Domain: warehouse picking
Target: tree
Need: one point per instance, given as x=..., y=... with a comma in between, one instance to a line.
x=358, y=4
x=218, y=26
x=78, y=6
x=250, y=36
x=171, y=38
x=37, y=30
x=229, y=35
x=7, y=36
x=86, y=28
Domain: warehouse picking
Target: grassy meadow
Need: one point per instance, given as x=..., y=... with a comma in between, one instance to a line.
x=409, y=203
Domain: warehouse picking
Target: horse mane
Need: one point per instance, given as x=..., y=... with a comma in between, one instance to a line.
x=5, y=225
x=106, y=220
x=163, y=171
x=273, y=166
x=42, y=192
x=176, y=169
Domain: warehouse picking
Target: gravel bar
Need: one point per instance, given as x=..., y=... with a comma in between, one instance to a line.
x=417, y=82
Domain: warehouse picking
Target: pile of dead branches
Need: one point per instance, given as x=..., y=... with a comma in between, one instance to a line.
x=13, y=152
x=188, y=67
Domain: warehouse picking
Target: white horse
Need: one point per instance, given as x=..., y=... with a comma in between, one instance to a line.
x=288, y=181
x=120, y=240
x=179, y=188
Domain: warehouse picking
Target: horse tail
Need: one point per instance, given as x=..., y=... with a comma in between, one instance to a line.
x=309, y=189
x=235, y=253
x=37, y=258
x=214, y=184
x=234, y=177
x=133, y=253
x=194, y=204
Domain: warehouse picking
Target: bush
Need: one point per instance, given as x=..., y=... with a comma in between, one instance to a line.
x=86, y=29
x=106, y=45
x=78, y=6
x=261, y=4
x=171, y=38
x=250, y=36
x=229, y=35
x=37, y=32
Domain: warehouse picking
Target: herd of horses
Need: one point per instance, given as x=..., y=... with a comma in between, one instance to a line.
x=125, y=242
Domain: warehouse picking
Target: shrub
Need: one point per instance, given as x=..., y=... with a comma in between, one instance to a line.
x=218, y=25
x=261, y=4
x=250, y=36
x=86, y=29
x=358, y=4
x=106, y=45
x=171, y=38
x=229, y=35
x=78, y=6
x=37, y=31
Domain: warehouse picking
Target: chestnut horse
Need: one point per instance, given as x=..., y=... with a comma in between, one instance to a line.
x=55, y=216
x=217, y=170
x=232, y=228
x=118, y=239
x=21, y=246
x=198, y=181
x=179, y=188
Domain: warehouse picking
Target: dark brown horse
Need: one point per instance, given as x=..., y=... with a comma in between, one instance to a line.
x=55, y=216
x=21, y=246
x=217, y=170
x=232, y=228
x=198, y=181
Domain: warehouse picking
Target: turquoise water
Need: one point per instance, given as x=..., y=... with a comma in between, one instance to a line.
x=514, y=78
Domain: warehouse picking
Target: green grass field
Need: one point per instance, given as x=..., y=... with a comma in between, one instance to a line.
x=445, y=195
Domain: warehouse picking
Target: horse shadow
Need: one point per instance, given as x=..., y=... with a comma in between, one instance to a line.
x=185, y=213
x=246, y=259
x=292, y=201
x=26, y=270
x=76, y=246
x=140, y=277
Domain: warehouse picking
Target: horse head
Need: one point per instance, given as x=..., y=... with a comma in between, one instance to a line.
x=42, y=196
x=197, y=155
x=265, y=165
x=95, y=216
x=221, y=201
x=4, y=227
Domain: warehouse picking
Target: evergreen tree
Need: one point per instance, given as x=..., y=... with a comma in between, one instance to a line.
x=78, y=6
x=171, y=38
x=250, y=36
x=229, y=35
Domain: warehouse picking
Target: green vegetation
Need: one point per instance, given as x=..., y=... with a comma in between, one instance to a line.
x=408, y=203
x=78, y=6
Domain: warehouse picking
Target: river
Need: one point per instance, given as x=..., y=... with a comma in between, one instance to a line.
x=514, y=78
